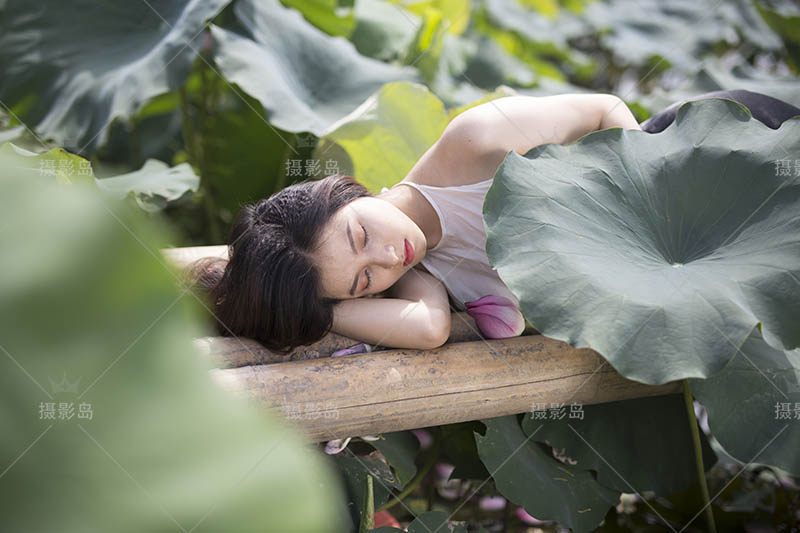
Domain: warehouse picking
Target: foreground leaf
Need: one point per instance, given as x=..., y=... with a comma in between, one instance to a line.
x=659, y=251
x=137, y=436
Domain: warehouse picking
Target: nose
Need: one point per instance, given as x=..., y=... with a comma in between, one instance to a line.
x=390, y=258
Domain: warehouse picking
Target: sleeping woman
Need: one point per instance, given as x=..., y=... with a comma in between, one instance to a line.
x=388, y=269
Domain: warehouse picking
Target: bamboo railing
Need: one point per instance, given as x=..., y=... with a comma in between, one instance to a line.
x=395, y=389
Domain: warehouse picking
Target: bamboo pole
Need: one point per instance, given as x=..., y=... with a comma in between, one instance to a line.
x=393, y=390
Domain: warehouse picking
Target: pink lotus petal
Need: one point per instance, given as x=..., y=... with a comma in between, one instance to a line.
x=523, y=515
x=332, y=447
x=492, y=503
x=356, y=348
x=443, y=471
x=496, y=316
x=424, y=437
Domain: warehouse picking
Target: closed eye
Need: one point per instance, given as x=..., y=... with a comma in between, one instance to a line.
x=366, y=240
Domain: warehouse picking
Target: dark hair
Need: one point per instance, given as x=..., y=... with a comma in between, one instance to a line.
x=270, y=290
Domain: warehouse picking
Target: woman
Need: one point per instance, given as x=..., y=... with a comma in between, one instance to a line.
x=303, y=260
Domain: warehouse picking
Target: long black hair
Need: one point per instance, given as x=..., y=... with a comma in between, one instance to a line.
x=270, y=289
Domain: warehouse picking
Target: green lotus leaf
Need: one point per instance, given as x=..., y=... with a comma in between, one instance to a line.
x=455, y=13
x=152, y=187
x=660, y=251
x=753, y=404
x=57, y=164
x=535, y=25
x=387, y=134
x=69, y=68
x=353, y=471
x=680, y=31
x=136, y=436
x=565, y=493
x=713, y=76
x=400, y=449
x=326, y=15
x=787, y=25
x=605, y=435
x=377, y=33
x=305, y=79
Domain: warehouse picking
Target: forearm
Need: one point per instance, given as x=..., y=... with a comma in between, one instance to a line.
x=391, y=322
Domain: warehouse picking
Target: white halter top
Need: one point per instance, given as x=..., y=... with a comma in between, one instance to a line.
x=459, y=259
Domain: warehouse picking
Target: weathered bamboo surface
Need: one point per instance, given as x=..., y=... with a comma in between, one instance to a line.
x=393, y=390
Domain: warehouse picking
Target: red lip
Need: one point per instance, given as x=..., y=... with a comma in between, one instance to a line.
x=409, y=253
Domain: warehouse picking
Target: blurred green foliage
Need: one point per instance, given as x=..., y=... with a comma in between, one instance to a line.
x=251, y=93
x=110, y=418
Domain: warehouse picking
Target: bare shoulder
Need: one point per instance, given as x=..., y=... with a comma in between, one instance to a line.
x=456, y=158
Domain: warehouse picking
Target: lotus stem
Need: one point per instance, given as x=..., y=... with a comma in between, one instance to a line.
x=368, y=512
x=698, y=455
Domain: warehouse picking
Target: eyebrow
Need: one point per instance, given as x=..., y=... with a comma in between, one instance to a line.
x=352, y=247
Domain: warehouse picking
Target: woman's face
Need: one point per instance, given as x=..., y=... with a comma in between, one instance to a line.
x=346, y=262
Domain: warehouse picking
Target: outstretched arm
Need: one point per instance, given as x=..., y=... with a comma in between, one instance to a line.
x=475, y=142
x=416, y=314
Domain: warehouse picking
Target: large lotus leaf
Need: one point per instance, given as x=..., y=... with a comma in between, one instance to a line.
x=326, y=15
x=787, y=25
x=753, y=404
x=305, y=79
x=680, y=31
x=377, y=33
x=714, y=77
x=490, y=66
x=517, y=31
x=660, y=251
x=458, y=448
x=534, y=25
x=388, y=133
x=635, y=445
x=57, y=164
x=152, y=187
x=455, y=13
x=529, y=476
x=400, y=449
x=245, y=168
x=136, y=436
x=69, y=68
